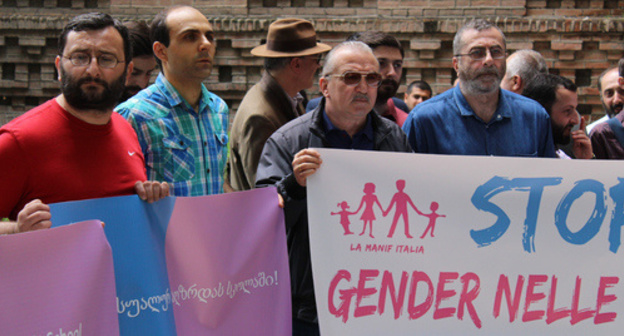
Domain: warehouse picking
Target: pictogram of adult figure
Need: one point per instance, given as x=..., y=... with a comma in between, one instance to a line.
x=400, y=199
x=369, y=200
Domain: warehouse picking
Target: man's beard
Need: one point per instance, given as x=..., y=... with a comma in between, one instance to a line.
x=558, y=134
x=79, y=99
x=612, y=109
x=472, y=83
x=387, y=89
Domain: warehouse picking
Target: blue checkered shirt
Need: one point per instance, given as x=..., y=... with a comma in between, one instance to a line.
x=182, y=147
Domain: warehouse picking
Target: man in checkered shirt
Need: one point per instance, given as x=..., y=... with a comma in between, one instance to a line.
x=182, y=127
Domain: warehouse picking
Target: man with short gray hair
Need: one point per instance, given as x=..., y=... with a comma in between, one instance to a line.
x=522, y=68
x=476, y=117
x=344, y=119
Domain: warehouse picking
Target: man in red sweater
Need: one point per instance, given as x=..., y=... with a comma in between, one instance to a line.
x=74, y=147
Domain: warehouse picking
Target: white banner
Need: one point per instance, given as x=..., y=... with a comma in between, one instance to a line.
x=407, y=244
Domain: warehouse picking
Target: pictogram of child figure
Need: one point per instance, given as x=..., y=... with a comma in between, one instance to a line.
x=344, y=216
x=433, y=216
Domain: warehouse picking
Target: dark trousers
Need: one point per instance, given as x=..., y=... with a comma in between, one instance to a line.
x=303, y=328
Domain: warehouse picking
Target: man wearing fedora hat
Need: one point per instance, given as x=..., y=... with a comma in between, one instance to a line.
x=292, y=56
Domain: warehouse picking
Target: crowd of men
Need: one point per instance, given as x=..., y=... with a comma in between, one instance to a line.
x=109, y=133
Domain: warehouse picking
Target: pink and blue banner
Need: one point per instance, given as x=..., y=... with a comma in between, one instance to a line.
x=409, y=244
x=213, y=265
x=58, y=282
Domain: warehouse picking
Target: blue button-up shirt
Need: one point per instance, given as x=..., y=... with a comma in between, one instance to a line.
x=446, y=124
x=185, y=148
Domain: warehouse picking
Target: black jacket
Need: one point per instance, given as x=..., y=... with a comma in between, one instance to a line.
x=275, y=169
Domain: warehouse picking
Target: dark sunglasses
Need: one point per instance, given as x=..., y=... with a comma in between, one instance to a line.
x=352, y=78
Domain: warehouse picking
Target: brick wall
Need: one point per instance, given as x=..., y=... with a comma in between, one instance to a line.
x=579, y=38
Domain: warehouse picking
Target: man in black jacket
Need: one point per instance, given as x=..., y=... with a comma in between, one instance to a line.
x=344, y=119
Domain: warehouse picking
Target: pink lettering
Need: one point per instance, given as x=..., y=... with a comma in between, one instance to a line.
x=532, y=297
x=442, y=294
x=605, y=282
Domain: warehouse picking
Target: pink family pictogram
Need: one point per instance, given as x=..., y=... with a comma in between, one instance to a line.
x=400, y=201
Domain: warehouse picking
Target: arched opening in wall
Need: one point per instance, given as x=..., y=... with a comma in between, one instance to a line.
x=429, y=76
x=611, y=4
x=51, y=42
x=6, y=101
x=35, y=3
x=11, y=41
x=356, y=3
x=553, y=3
x=584, y=109
x=31, y=101
x=34, y=72
x=225, y=74
x=431, y=26
x=583, y=77
x=8, y=71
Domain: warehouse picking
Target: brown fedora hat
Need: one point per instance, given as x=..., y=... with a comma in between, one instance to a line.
x=290, y=38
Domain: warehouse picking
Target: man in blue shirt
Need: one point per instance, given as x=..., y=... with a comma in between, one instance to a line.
x=182, y=127
x=477, y=117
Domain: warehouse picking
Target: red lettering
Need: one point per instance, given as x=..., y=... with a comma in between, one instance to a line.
x=513, y=304
x=442, y=294
x=583, y=314
x=364, y=292
x=467, y=296
x=553, y=314
x=532, y=297
x=387, y=286
x=605, y=282
x=420, y=310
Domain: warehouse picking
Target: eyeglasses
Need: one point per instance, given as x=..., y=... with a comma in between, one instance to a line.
x=352, y=78
x=479, y=54
x=106, y=61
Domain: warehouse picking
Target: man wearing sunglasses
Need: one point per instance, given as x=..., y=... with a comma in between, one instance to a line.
x=74, y=147
x=291, y=59
x=476, y=117
x=344, y=119
x=389, y=53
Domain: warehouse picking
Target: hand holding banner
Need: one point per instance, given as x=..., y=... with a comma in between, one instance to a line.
x=211, y=265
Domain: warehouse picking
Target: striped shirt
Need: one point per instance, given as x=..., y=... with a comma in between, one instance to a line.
x=182, y=147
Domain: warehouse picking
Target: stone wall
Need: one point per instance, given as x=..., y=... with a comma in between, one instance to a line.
x=579, y=38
